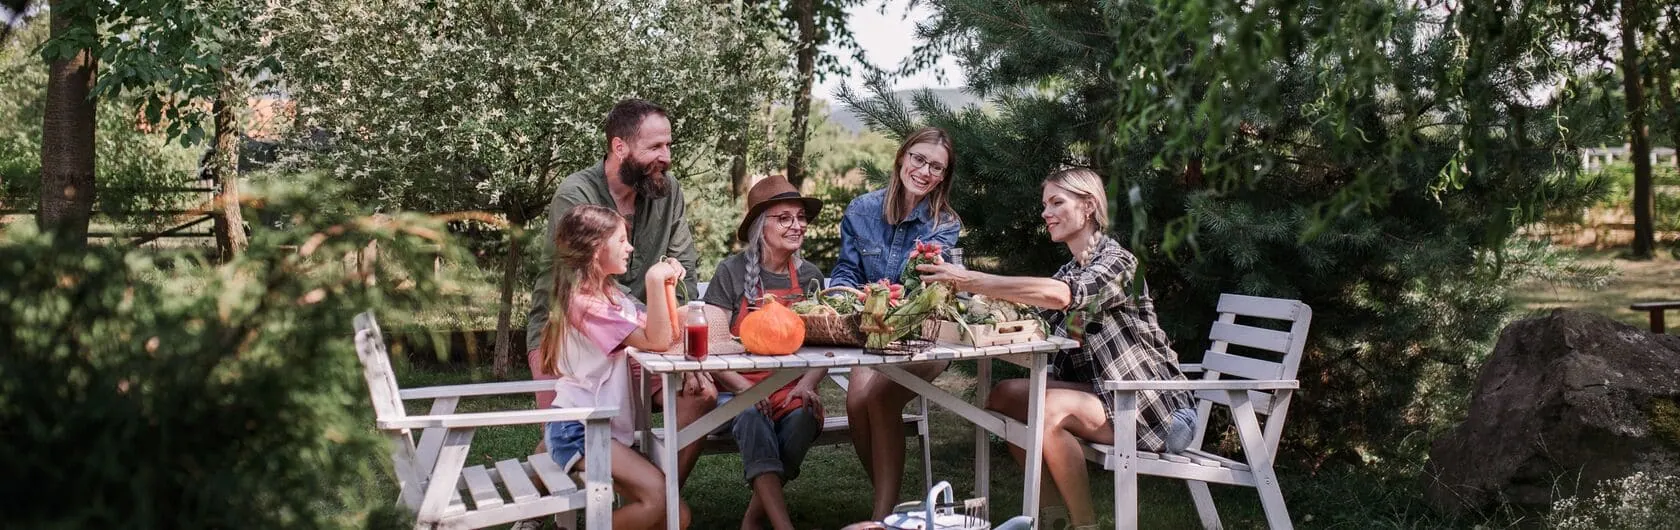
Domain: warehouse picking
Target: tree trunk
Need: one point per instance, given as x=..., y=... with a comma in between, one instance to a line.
x=1639, y=138
x=229, y=223
x=805, y=17
x=736, y=147
x=503, y=359
x=1665, y=90
x=67, y=141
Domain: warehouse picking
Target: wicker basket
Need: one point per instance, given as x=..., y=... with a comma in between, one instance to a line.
x=833, y=330
x=909, y=343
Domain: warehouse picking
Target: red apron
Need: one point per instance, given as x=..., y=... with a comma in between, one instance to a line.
x=787, y=296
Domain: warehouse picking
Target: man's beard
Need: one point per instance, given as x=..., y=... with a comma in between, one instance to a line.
x=641, y=176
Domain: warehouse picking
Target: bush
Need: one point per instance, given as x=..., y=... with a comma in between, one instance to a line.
x=1664, y=179
x=145, y=393
x=1635, y=501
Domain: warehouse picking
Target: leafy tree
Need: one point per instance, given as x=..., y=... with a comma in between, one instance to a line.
x=136, y=168
x=487, y=104
x=192, y=62
x=148, y=392
x=188, y=60
x=67, y=126
x=815, y=23
x=1373, y=159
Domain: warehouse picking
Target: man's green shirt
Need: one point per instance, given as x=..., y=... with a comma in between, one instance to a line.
x=657, y=230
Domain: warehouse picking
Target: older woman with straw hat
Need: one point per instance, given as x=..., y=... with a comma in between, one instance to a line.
x=775, y=435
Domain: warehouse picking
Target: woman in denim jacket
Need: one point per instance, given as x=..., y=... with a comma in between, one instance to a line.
x=877, y=234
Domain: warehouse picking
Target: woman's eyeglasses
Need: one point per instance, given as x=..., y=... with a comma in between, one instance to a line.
x=918, y=161
x=788, y=220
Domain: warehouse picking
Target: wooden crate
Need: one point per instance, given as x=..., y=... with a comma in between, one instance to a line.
x=982, y=334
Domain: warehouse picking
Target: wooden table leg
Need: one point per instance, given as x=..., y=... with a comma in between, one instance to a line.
x=673, y=515
x=982, y=439
x=1035, y=439
x=1657, y=320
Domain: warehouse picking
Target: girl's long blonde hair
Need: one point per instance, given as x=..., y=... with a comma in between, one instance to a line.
x=898, y=204
x=1085, y=185
x=582, y=233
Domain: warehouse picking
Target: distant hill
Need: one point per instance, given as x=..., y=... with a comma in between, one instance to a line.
x=952, y=97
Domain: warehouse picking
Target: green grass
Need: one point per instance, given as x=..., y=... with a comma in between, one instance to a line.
x=1635, y=281
x=832, y=490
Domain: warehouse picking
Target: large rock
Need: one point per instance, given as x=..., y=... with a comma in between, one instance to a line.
x=1565, y=401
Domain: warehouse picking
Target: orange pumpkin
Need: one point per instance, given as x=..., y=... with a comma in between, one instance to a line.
x=773, y=329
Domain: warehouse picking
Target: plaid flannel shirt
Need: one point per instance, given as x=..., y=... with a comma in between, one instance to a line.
x=1119, y=336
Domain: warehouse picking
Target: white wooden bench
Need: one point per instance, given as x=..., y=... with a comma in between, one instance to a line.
x=1263, y=388
x=442, y=491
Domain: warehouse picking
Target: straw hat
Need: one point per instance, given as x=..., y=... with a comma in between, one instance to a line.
x=719, y=342
x=767, y=193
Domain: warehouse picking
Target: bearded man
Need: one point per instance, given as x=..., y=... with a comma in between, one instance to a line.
x=632, y=179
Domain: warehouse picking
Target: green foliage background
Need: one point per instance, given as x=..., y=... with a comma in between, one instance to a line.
x=1373, y=159
x=144, y=391
x=132, y=165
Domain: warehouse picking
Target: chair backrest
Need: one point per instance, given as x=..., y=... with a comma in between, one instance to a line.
x=1262, y=353
x=376, y=368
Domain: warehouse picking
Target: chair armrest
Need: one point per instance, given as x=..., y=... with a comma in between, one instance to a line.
x=490, y=419
x=1191, y=368
x=480, y=389
x=1215, y=384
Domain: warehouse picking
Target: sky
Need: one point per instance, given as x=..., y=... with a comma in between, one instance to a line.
x=886, y=39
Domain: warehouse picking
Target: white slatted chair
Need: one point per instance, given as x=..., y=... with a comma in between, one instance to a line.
x=445, y=493
x=1263, y=389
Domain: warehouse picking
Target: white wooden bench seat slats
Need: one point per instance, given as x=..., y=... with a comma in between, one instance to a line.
x=442, y=490
x=1262, y=389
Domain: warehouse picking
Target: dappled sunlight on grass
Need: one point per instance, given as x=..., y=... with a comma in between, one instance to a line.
x=1636, y=281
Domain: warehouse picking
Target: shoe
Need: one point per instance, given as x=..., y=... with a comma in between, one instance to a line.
x=528, y=524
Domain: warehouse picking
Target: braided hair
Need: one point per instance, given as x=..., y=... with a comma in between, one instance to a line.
x=753, y=253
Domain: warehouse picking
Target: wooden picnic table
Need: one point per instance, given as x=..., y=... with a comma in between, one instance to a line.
x=1656, y=309
x=670, y=368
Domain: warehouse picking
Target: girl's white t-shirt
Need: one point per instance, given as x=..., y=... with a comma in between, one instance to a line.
x=593, y=368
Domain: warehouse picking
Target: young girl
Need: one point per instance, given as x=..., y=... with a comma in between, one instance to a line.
x=586, y=350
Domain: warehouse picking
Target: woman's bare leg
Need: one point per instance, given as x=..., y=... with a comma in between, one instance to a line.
x=858, y=418
x=643, y=487
x=690, y=407
x=767, y=495
x=755, y=514
x=884, y=402
x=1071, y=413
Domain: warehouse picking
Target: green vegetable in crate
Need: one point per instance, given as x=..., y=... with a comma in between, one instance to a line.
x=923, y=253
x=883, y=324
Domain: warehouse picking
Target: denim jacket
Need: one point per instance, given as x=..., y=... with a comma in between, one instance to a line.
x=871, y=249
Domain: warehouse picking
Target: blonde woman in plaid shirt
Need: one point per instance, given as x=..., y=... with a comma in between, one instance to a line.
x=1091, y=299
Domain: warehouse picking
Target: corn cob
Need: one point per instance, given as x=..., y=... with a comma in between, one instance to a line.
x=898, y=322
